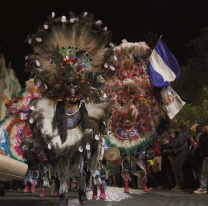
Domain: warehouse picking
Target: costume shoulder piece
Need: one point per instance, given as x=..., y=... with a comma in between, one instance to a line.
x=137, y=116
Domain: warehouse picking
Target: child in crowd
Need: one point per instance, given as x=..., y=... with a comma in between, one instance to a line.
x=156, y=166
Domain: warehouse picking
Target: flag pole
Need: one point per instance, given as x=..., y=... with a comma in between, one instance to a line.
x=155, y=45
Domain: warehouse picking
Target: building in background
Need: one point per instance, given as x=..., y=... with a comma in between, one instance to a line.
x=9, y=84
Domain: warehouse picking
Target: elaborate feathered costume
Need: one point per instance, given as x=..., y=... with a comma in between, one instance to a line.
x=15, y=122
x=18, y=128
x=68, y=57
x=138, y=114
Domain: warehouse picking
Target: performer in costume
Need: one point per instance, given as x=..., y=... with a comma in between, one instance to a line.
x=31, y=179
x=67, y=54
x=73, y=180
x=15, y=122
x=36, y=160
x=98, y=181
x=138, y=115
x=45, y=175
x=100, y=176
x=4, y=142
x=140, y=170
x=4, y=150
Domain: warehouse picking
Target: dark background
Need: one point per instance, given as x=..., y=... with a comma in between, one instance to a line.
x=177, y=20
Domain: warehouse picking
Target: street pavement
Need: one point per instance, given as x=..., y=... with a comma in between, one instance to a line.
x=115, y=197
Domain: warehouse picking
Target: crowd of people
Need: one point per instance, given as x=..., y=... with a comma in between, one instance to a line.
x=180, y=164
x=83, y=92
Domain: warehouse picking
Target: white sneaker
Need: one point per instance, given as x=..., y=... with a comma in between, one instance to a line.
x=200, y=191
x=151, y=188
x=176, y=188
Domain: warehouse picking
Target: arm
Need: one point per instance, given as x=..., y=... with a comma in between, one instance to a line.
x=171, y=144
x=179, y=142
x=200, y=147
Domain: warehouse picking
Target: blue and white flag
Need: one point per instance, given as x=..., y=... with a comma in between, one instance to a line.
x=163, y=66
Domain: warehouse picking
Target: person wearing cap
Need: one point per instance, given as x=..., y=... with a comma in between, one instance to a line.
x=156, y=166
x=203, y=149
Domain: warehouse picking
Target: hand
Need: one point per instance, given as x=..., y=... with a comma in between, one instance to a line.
x=2, y=152
x=166, y=141
x=151, y=162
x=206, y=159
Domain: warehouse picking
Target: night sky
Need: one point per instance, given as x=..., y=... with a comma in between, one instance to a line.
x=177, y=20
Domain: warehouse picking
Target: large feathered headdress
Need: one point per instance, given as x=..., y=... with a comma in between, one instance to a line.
x=64, y=50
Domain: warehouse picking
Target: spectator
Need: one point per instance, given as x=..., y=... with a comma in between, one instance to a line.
x=203, y=149
x=156, y=166
x=190, y=172
x=197, y=158
x=173, y=158
x=168, y=180
x=199, y=129
x=181, y=151
x=149, y=155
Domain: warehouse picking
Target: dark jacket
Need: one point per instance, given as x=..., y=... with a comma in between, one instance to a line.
x=198, y=160
x=165, y=160
x=191, y=156
x=170, y=145
x=182, y=145
x=203, y=145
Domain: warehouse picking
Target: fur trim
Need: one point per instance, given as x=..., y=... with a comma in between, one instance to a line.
x=72, y=155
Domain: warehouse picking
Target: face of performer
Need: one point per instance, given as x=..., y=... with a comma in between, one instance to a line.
x=73, y=93
x=139, y=157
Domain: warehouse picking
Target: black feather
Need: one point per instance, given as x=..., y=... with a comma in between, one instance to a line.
x=55, y=55
x=60, y=121
x=85, y=120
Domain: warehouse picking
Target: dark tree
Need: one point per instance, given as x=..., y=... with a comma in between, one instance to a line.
x=151, y=39
x=194, y=73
